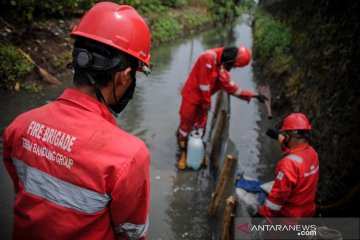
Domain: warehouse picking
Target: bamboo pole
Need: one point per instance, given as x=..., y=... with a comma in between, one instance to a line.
x=216, y=109
x=225, y=231
x=42, y=72
x=217, y=136
x=221, y=183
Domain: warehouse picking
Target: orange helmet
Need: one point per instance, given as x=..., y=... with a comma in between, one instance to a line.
x=118, y=26
x=296, y=121
x=243, y=57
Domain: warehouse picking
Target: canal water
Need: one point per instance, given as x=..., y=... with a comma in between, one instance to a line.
x=179, y=199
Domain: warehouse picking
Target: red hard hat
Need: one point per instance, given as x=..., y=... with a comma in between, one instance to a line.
x=118, y=26
x=243, y=57
x=296, y=121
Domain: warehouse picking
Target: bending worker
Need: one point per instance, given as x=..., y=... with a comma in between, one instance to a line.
x=297, y=173
x=76, y=174
x=210, y=73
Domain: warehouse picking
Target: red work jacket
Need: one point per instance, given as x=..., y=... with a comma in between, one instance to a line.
x=206, y=78
x=76, y=174
x=293, y=192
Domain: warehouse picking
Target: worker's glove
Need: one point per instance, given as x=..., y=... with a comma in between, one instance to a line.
x=246, y=95
x=262, y=98
x=273, y=133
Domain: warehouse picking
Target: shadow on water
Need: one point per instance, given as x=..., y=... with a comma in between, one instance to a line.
x=179, y=200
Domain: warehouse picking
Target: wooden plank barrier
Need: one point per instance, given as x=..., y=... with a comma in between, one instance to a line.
x=220, y=185
x=217, y=137
x=225, y=231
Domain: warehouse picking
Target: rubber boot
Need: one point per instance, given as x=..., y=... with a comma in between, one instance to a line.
x=182, y=161
x=204, y=162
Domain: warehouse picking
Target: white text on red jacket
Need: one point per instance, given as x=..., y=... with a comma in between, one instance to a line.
x=51, y=135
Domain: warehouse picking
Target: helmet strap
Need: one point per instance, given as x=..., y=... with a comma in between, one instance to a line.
x=288, y=141
x=114, y=90
x=99, y=94
x=297, y=134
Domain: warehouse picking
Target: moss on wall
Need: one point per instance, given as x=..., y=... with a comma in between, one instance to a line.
x=322, y=80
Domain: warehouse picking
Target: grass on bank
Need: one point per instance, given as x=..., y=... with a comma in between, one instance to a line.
x=272, y=40
x=14, y=66
x=167, y=19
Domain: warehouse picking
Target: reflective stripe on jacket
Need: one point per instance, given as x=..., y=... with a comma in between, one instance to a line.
x=75, y=173
x=294, y=189
x=206, y=78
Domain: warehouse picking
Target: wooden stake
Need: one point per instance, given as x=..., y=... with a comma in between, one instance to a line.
x=225, y=231
x=216, y=141
x=220, y=185
x=42, y=72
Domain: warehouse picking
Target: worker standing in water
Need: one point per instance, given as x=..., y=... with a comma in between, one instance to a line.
x=76, y=174
x=297, y=173
x=210, y=73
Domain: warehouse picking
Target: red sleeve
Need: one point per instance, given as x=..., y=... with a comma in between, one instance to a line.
x=225, y=82
x=284, y=181
x=131, y=198
x=7, y=151
x=231, y=87
x=206, y=65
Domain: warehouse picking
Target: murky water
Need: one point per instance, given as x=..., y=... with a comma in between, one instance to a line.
x=179, y=200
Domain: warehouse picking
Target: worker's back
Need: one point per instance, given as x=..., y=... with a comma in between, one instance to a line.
x=303, y=173
x=69, y=161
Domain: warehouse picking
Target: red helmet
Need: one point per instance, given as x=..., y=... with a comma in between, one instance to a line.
x=296, y=121
x=118, y=26
x=243, y=57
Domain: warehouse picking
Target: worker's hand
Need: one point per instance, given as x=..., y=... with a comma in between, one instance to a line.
x=260, y=97
x=273, y=133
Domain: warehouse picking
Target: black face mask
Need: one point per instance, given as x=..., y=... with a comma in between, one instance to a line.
x=125, y=99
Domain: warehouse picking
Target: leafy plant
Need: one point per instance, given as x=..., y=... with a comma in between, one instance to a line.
x=272, y=41
x=14, y=66
x=165, y=28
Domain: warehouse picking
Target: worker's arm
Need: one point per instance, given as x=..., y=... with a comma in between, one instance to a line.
x=231, y=87
x=281, y=190
x=206, y=66
x=129, y=207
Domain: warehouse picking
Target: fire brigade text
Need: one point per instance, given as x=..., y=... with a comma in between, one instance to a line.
x=52, y=136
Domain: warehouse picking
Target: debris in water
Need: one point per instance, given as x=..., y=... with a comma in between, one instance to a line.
x=184, y=235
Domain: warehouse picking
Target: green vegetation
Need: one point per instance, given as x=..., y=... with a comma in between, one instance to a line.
x=14, y=66
x=272, y=41
x=62, y=59
x=28, y=10
x=164, y=29
x=33, y=87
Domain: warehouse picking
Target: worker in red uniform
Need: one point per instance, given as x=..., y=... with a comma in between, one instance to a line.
x=76, y=174
x=297, y=173
x=210, y=73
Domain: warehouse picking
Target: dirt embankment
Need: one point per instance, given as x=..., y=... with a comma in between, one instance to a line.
x=324, y=83
x=49, y=44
